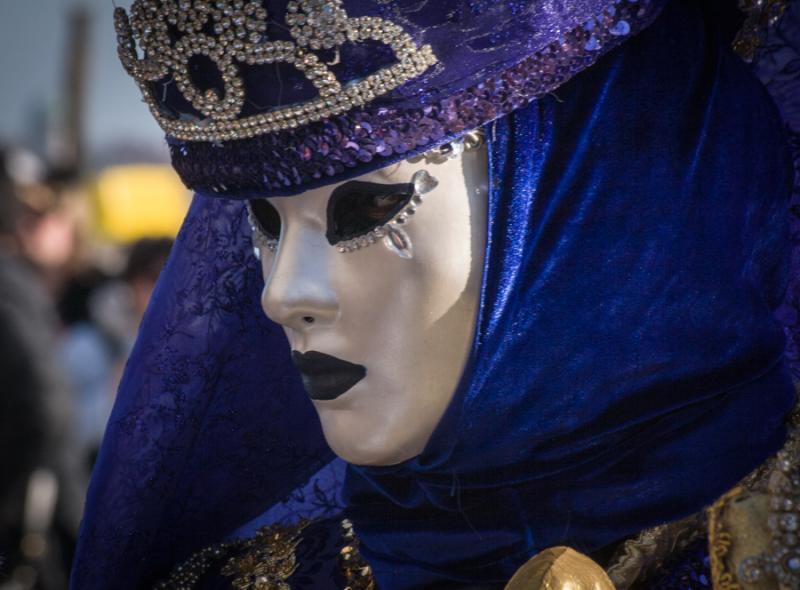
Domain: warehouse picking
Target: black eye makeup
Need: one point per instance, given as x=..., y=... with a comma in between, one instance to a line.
x=356, y=207
x=363, y=213
x=359, y=214
x=265, y=221
x=267, y=218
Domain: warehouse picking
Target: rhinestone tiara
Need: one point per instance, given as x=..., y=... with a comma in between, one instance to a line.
x=375, y=135
x=234, y=32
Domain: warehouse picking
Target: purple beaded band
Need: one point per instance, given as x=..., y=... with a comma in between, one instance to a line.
x=293, y=161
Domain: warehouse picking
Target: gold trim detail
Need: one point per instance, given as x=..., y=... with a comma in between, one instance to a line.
x=719, y=544
x=239, y=37
x=754, y=529
x=641, y=556
x=265, y=561
x=270, y=562
x=761, y=16
x=356, y=571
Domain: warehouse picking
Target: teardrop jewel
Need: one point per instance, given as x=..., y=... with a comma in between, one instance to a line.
x=396, y=240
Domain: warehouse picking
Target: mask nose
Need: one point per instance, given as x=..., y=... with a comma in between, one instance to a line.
x=298, y=293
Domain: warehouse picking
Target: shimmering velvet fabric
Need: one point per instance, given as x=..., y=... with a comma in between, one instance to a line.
x=626, y=368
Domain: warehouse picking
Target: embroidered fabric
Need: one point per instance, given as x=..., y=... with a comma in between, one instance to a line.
x=319, y=498
x=306, y=555
x=690, y=569
x=643, y=556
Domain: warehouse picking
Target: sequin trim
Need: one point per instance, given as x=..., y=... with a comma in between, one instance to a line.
x=343, y=146
x=356, y=571
x=268, y=560
x=687, y=570
x=239, y=37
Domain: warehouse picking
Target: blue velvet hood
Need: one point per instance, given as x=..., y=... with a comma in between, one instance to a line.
x=625, y=371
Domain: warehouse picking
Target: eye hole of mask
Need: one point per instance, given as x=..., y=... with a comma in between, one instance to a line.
x=357, y=207
x=267, y=218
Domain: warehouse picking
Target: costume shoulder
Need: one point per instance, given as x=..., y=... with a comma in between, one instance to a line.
x=320, y=554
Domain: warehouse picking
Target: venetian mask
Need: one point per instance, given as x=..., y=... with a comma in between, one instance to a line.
x=376, y=283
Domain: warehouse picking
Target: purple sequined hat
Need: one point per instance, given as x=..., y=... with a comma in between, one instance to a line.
x=269, y=97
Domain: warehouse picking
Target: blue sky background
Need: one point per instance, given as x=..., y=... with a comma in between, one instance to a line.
x=33, y=40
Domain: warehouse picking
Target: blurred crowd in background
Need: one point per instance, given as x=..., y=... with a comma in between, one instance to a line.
x=84, y=232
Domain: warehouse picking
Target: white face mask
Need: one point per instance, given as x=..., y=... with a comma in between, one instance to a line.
x=379, y=314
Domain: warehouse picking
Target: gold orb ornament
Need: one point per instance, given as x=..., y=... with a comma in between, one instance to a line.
x=560, y=568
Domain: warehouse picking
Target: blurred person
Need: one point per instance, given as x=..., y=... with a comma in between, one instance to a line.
x=50, y=223
x=88, y=355
x=145, y=261
x=101, y=316
x=40, y=484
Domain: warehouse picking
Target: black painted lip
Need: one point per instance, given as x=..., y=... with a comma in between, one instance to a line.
x=326, y=377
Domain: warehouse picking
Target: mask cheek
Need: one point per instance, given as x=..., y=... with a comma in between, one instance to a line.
x=266, y=260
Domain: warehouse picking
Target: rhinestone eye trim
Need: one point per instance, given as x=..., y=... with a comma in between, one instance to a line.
x=239, y=37
x=260, y=237
x=392, y=233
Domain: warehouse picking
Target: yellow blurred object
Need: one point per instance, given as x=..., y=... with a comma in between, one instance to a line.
x=140, y=200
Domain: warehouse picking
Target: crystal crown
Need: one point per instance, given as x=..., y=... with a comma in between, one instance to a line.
x=234, y=32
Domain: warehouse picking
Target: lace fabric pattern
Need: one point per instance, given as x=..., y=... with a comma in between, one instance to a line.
x=319, y=498
x=164, y=482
